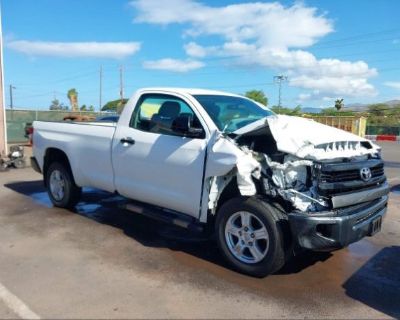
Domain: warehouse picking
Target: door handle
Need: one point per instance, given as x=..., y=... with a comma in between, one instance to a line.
x=128, y=140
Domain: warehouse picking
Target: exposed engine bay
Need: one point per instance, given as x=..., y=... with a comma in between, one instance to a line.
x=294, y=160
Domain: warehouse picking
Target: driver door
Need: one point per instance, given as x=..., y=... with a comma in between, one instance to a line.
x=154, y=164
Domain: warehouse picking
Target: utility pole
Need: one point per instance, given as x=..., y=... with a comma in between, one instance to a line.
x=3, y=131
x=121, y=83
x=11, y=96
x=101, y=87
x=279, y=79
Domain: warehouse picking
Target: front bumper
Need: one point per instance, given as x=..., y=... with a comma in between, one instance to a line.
x=327, y=231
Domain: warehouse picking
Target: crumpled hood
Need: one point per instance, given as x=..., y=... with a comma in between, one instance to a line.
x=309, y=139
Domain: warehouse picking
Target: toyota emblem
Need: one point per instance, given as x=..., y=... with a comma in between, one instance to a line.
x=366, y=174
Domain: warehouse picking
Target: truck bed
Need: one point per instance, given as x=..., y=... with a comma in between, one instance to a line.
x=87, y=144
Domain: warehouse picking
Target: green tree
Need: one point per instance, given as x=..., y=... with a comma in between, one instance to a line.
x=257, y=95
x=339, y=104
x=297, y=110
x=56, y=105
x=378, y=109
x=83, y=108
x=91, y=108
x=288, y=111
x=335, y=112
x=114, y=105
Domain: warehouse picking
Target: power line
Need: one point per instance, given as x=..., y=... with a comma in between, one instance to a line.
x=40, y=94
x=384, y=70
x=351, y=43
x=247, y=70
x=80, y=75
x=389, y=69
x=361, y=35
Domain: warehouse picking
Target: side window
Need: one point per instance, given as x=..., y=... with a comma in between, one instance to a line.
x=156, y=113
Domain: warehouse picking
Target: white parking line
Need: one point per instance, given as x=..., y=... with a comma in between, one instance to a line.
x=16, y=305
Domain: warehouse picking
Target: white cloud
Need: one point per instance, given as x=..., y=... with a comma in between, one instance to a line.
x=270, y=24
x=304, y=96
x=113, y=50
x=393, y=84
x=192, y=49
x=314, y=95
x=330, y=77
x=173, y=65
x=265, y=34
x=333, y=86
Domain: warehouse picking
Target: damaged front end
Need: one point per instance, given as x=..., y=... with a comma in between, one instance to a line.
x=334, y=189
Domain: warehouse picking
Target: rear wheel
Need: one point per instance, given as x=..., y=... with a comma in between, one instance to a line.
x=19, y=163
x=250, y=236
x=61, y=187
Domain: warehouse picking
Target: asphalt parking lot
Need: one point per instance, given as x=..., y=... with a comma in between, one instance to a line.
x=102, y=262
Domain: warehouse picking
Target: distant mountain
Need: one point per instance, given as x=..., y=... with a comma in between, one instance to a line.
x=392, y=102
x=356, y=107
x=363, y=107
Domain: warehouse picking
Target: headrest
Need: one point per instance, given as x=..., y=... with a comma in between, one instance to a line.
x=170, y=109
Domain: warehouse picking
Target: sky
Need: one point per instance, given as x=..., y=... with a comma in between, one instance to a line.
x=326, y=49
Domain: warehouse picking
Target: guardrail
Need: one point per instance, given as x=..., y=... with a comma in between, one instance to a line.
x=383, y=137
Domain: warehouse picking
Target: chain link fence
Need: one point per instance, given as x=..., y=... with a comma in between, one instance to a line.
x=18, y=119
x=383, y=130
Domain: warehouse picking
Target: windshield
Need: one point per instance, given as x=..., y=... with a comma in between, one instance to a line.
x=231, y=113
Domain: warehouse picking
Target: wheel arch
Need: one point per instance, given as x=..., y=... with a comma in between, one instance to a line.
x=56, y=155
x=230, y=191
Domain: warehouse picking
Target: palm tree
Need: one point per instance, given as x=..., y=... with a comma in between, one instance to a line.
x=73, y=99
x=339, y=104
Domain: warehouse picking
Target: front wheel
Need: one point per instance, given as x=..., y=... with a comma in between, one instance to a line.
x=61, y=187
x=250, y=236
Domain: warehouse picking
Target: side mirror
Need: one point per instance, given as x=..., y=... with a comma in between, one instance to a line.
x=183, y=126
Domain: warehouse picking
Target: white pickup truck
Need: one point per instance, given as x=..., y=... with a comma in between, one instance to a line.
x=266, y=184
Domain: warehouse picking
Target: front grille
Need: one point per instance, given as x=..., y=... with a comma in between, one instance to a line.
x=349, y=175
x=340, y=177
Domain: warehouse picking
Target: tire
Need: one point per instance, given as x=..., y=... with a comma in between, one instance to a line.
x=19, y=163
x=3, y=166
x=61, y=187
x=260, y=250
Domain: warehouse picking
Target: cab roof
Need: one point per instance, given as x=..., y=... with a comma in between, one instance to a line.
x=190, y=91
